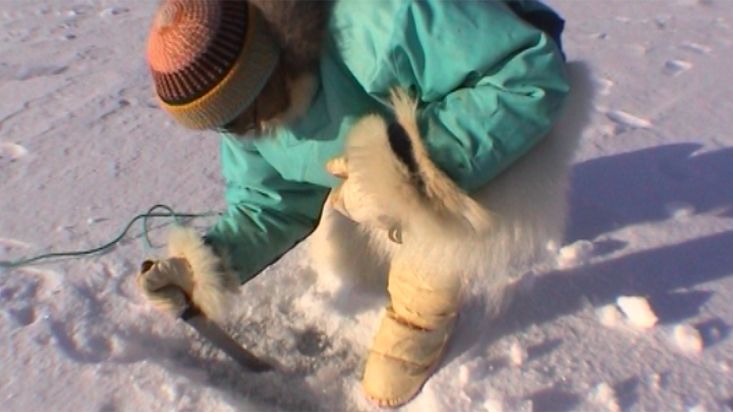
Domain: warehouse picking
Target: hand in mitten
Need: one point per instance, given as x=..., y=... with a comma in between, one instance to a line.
x=192, y=275
x=391, y=182
x=349, y=198
x=167, y=283
x=358, y=199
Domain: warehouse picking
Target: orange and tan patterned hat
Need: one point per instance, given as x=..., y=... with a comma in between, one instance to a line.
x=209, y=59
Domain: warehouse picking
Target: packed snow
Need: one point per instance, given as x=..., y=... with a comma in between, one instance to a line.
x=83, y=149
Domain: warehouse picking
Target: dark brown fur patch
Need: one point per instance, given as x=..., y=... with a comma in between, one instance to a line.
x=401, y=146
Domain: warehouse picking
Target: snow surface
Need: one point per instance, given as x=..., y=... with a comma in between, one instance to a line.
x=83, y=149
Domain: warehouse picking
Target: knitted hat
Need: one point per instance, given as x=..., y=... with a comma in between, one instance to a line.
x=209, y=59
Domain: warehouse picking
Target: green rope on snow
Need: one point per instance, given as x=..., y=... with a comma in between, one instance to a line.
x=144, y=216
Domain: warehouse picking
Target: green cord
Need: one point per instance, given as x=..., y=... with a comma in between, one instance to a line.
x=143, y=216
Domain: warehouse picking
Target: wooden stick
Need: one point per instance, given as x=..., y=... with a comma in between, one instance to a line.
x=219, y=338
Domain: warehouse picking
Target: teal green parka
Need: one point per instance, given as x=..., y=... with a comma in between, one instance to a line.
x=490, y=86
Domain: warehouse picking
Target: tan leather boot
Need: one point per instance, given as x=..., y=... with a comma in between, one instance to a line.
x=412, y=336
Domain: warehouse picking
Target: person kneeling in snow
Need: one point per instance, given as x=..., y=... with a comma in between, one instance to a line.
x=299, y=93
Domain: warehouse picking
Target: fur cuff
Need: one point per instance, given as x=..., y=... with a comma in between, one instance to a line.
x=212, y=283
x=391, y=163
x=439, y=223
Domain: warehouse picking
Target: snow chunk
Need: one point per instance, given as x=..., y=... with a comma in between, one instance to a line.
x=698, y=408
x=464, y=375
x=524, y=405
x=575, y=254
x=655, y=381
x=497, y=402
x=625, y=121
x=604, y=396
x=609, y=315
x=517, y=354
x=679, y=210
x=676, y=67
x=170, y=391
x=725, y=366
x=637, y=311
x=113, y=11
x=688, y=338
x=12, y=151
x=494, y=405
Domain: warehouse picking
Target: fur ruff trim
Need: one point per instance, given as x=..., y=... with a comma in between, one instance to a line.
x=301, y=90
x=212, y=284
x=443, y=202
x=299, y=27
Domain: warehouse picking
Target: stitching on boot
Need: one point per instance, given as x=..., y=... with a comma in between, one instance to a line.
x=403, y=361
x=404, y=322
x=401, y=320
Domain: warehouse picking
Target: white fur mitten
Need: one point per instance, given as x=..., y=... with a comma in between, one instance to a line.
x=192, y=275
x=354, y=200
x=391, y=183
